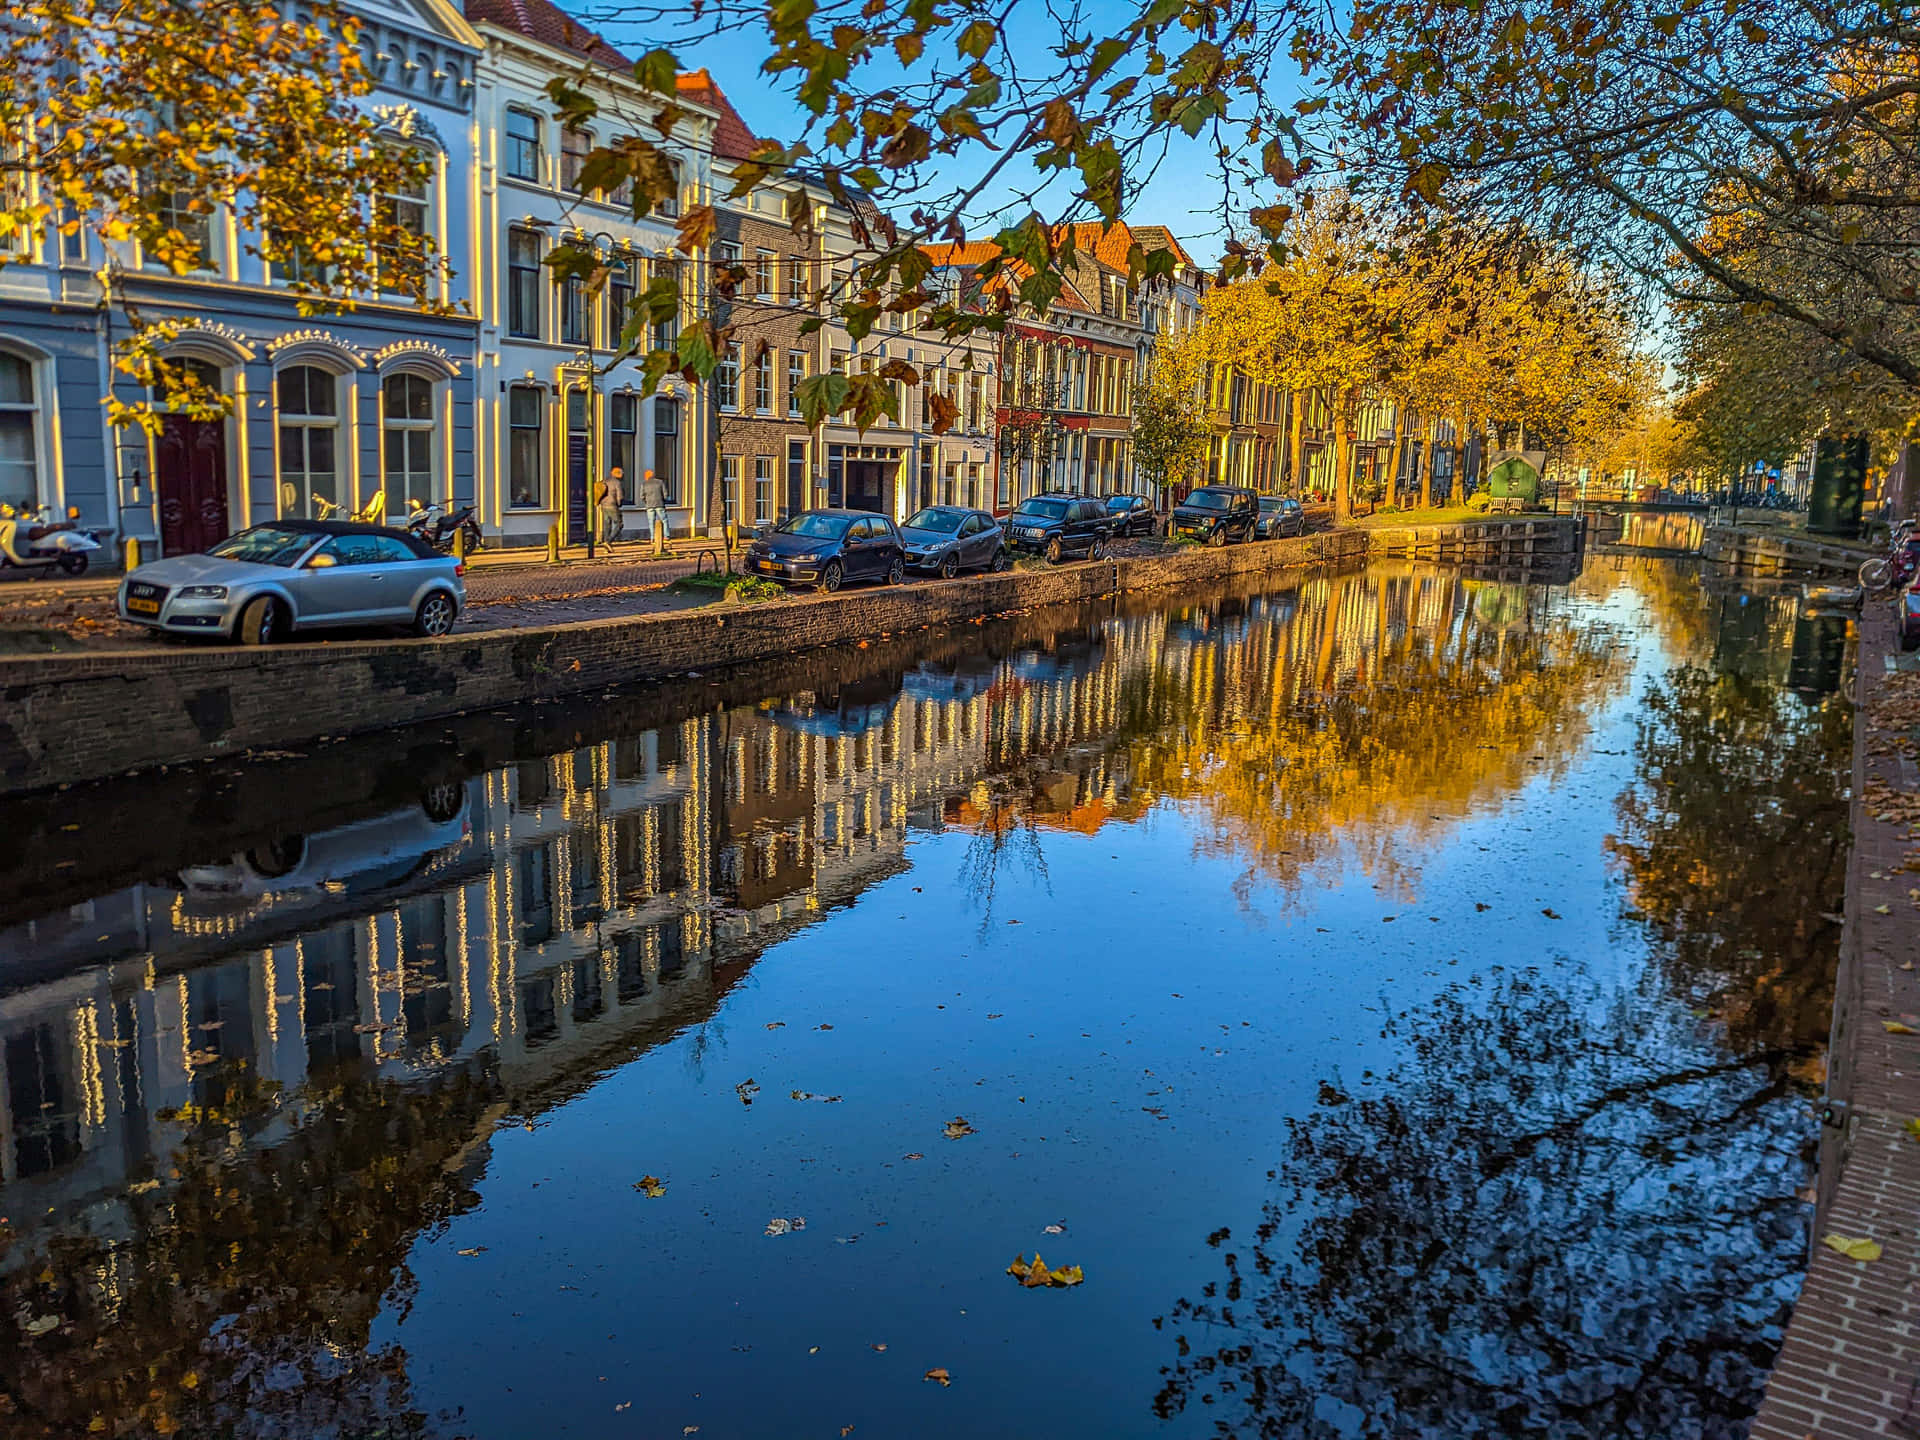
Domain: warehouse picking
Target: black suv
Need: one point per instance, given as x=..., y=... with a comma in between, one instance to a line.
x=1060, y=525
x=1215, y=514
x=1131, y=515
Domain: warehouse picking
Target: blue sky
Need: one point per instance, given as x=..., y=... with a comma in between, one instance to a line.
x=1183, y=192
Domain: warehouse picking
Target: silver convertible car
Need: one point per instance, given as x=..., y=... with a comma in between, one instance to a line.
x=264, y=584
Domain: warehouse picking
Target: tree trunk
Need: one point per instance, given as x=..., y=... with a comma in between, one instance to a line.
x=1401, y=417
x=1343, y=455
x=1296, y=441
x=1426, y=467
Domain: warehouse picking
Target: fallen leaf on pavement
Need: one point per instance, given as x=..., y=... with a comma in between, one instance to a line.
x=1853, y=1249
x=1894, y=1027
x=650, y=1186
x=1913, y=1128
x=1036, y=1273
x=957, y=1127
x=1883, y=909
x=43, y=1324
x=939, y=1374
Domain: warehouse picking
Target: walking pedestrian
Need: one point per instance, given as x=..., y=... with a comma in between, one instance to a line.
x=653, y=500
x=611, y=496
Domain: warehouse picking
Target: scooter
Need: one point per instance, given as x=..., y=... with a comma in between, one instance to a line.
x=28, y=542
x=433, y=524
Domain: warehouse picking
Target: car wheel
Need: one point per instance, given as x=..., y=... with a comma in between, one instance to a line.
x=1217, y=537
x=260, y=622
x=1001, y=560
x=949, y=565
x=1098, y=550
x=831, y=577
x=1910, y=640
x=74, y=563
x=1053, y=551
x=435, y=616
x=441, y=802
x=897, y=571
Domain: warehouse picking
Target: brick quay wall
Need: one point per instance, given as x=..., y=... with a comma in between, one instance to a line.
x=67, y=718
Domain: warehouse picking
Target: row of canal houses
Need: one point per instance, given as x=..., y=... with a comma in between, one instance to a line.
x=506, y=398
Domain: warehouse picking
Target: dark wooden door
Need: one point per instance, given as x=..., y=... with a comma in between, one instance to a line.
x=579, y=477
x=190, y=481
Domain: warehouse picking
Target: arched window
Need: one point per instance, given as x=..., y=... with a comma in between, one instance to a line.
x=308, y=400
x=19, y=427
x=407, y=427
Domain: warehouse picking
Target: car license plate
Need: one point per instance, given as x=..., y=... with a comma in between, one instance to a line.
x=768, y=566
x=139, y=606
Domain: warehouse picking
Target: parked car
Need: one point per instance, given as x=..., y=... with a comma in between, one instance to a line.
x=1215, y=514
x=1059, y=526
x=1279, y=515
x=947, y=539
x=290, y=576
x=1131, y=515
x=1910, y=619
x=828, y=548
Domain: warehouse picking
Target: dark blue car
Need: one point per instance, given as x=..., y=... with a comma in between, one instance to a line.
x=829, y=548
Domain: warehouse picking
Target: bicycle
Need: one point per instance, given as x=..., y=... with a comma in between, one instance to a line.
x=1896, y=569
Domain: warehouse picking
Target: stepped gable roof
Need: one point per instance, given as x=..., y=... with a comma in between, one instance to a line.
x=733, y=139
x=546, y=22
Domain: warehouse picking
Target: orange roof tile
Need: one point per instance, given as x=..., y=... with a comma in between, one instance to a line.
x=732, y=138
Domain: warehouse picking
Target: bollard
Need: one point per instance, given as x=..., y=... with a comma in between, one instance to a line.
x=460, y=544
x=553, y=543
x=131, y=557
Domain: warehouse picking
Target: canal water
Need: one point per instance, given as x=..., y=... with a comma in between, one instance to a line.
x=1397, y=995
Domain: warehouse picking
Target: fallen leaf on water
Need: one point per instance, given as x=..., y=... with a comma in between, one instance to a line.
x=650, y=1186
x=43, y=1324
x=1853, y=1249
x=1036, y=1273
x=845, y=1430
x=689, y=1429
x=939, y=1374
x=777, y=1025
x=1550, y=914
x=823, y=1027
x=781, y=1225
x=916, y=1155
x=957, y=1127
x=1481, y=905
x=746, y=1090
x=1894, y=1027
x=883, y=1350
x=141, y=1187
x=623, y=1405
x=1059, y=1229
x=472, y=1250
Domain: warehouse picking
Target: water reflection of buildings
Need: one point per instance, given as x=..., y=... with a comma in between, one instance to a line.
x=552, y=916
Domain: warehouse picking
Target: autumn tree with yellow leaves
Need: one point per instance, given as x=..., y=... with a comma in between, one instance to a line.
x=140, y=121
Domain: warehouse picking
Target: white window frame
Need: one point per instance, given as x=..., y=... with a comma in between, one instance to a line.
x=39, y=410
x=397, y=504
x=301, y=504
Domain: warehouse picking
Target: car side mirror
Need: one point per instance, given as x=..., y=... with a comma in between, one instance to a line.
x=322, y=562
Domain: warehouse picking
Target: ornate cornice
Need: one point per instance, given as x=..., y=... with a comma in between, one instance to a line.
x=420, y=355
x=316, y=345
x=408, y=124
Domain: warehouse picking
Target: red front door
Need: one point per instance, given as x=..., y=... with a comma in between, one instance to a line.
x=190, y=480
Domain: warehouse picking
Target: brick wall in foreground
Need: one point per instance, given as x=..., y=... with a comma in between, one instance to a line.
x=71, y=717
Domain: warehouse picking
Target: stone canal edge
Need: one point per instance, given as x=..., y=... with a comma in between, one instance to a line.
x=1850, y=1365
x=69, y=718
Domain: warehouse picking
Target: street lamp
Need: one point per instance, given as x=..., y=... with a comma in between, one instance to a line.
x=1032, y=432
x=607, y=251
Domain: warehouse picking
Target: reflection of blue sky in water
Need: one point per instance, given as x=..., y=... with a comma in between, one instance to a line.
x=623, y=935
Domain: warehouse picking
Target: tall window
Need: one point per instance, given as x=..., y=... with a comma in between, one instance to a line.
x=523, y=145
x=762, y=489
x=973, y=403
x=176, y=212
x=13, y=188
x=575, y=146
x=796, y=372
x=523, y=284
x=796, y=280
x=526, y=472
x=763, y=382
x=19, y=420
x=670, y=202
x=406, y=427
x=620, y=287
x=764, y=263
x=623, y=412
x=668, y=330
x=406, y=207
x=666, y=447
x=576, y=313
x=309, y=405
x=726, y=378
x=730, y=487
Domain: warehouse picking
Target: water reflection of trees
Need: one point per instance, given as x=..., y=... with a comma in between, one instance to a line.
x=1733, y=842
x=241, y=1296
x=1378, y=711
x=1563, y=1215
